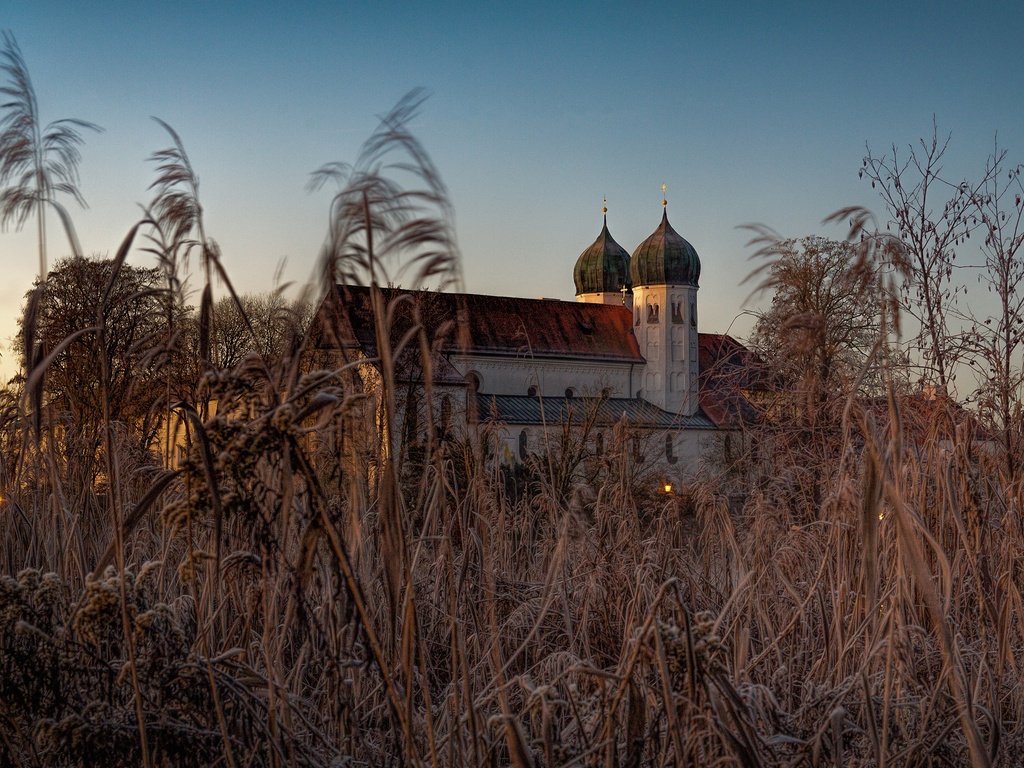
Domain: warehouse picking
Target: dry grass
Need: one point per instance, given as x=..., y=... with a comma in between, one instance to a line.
x=273, y=620
x=284, y=599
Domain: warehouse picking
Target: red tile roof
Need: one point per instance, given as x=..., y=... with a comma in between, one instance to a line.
x=727, y=368
x=927, y=415
x=500, y=325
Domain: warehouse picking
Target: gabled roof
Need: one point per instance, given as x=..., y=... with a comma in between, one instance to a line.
x=925, y=415
x=493, y=325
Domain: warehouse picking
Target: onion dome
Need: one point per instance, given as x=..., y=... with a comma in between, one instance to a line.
x=603, y=267
x=665, y=258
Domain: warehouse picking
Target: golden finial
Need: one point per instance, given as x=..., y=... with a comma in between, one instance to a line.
x=604, y=206
x=664, y=195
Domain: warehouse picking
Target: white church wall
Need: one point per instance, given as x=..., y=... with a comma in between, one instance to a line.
x=665, y=323
x=615, y=299
x=515, y=376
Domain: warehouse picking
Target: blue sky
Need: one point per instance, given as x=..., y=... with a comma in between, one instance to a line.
x=750, y=112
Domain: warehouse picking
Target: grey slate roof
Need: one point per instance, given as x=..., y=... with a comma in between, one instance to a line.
x=523, y=409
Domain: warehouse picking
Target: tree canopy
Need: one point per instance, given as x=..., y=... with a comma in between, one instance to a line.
x=823, y=320
x=72, y=301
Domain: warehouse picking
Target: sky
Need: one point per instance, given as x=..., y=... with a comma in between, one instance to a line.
x=749, y=112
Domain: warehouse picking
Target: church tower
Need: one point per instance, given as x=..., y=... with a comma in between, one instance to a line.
x=664, y=271
x=601, y=273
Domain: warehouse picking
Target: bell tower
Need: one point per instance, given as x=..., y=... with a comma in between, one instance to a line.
x=665, y=271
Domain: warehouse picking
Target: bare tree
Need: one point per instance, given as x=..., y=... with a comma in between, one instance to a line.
x=273, y=321
x=996, y=339
x=822, y=323
x=932, y=215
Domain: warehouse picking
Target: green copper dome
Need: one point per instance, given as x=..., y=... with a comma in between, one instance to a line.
x=603, y=267
x=665, y=258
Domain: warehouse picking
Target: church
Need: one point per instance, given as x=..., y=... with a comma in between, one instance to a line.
x=627, y=352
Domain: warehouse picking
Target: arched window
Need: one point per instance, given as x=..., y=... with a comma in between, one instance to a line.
x=412, y=419
x=670, y=455
x=638, y=454
x=693, y=313
x=570, y=393
x=531, y=391
x=523, y=445
x=445, y=421
x=473, y=386
x=599, y=444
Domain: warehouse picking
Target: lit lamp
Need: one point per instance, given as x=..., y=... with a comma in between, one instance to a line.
x=667, y=487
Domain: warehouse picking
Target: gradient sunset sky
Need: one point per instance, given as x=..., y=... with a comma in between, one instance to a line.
x=750, y=112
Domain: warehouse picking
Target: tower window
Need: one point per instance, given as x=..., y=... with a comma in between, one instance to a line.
x=570, y=393
x=523, y=445
x=677, y=312
x=670, y=455
x=599, y=444
x=693, y=314
x=531, y=391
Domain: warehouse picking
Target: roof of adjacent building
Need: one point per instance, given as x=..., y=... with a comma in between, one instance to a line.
x=665, y=258
x=727, y=371
x=603, y=267
x=490, y=325
x=926, y=415
x=524, y=409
